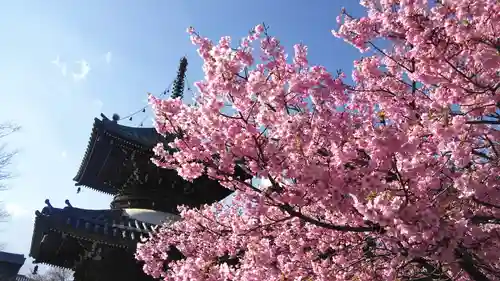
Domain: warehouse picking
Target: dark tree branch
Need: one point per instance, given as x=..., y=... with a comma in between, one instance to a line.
x=486, y=204
x=485, y=220
x=468, y=265
x=433, y=272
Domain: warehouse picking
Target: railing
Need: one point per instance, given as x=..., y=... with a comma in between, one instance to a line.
x=23, y=278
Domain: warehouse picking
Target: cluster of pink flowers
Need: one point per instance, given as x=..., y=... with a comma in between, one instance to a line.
x=401, y=184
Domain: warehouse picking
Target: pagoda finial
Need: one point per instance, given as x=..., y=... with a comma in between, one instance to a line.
x=178, y=86
x=47, y=202
x=67, y=203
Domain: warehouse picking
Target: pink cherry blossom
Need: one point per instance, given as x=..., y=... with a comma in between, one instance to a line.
x=403, y=184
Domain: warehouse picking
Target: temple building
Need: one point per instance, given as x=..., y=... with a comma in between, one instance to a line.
x=99, y=245
x=10, y=264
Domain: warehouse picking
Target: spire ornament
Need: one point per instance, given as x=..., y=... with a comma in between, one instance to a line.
x=178, y=87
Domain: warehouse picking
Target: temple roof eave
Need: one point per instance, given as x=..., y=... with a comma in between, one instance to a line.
x=140, y=139
x=12, y=258
x=88, y=151
x=119, y=233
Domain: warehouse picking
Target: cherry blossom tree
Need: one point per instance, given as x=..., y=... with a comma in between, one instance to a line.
x=395, y=177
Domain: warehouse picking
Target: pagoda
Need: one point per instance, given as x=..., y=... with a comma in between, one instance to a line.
x=10, y=264
x=100, y=244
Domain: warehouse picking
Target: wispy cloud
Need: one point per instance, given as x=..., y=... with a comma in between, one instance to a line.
x=98, y=104
x=108, y=57
x=84, y=70
x=61, y=65
x=64, y=154
x=16, y=210
x=64, y=70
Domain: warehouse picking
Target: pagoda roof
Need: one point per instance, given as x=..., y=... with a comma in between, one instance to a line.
x=12, y=258
x=113, y=228
x=104, y=133
x=139, y=136
x=118, y=161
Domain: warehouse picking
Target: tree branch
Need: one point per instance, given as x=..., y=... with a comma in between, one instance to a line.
x=467, y=264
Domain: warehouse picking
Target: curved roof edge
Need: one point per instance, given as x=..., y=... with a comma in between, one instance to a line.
x=135, y=137
x=12, y=258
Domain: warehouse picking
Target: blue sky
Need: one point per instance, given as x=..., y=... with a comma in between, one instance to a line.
x=130, y=48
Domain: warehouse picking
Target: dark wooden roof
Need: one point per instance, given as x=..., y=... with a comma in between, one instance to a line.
x=12, y=258
x=10, y=264
x=118, y=162
x=105, y=135
x=110, y=227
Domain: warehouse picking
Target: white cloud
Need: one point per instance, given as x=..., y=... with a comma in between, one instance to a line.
x=84, y=70
x=64, y=154
x=61, y=65
x=15, y=210
x=98, y=104
x=64, y=69
x=57, y=61
x=108, y=57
